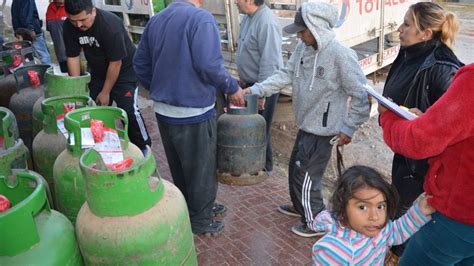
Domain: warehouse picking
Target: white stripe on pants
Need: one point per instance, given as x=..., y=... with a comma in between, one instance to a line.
x=306, y=197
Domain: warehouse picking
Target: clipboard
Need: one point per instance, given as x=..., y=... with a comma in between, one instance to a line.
x=389, y=104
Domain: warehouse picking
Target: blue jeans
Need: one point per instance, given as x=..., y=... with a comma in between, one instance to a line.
x=442, y=241
x=41, y=49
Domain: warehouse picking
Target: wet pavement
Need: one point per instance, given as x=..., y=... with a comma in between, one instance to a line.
x=255, y=232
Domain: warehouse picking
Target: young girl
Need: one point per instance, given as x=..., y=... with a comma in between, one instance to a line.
x=23, y=34
x=358, y=227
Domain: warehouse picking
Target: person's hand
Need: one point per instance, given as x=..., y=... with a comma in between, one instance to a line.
x=261, y=104
x=415, y=111
x=425, y=207
x=381, y=109
x=247, y=91
x=33, y=34
x=103, y=99
x=237, y=98
x=343, y=139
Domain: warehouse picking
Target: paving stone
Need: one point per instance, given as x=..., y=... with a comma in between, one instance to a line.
x=255, y=232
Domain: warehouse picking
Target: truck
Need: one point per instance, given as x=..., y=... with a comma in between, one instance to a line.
x=367, y=26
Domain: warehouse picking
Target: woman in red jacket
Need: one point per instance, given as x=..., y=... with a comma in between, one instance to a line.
x=445, y=136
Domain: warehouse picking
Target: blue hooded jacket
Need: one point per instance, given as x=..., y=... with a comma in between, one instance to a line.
x=179, y=58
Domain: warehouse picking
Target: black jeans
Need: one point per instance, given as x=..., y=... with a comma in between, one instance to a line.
x=408, y=177
x=126, y=97
x=267, y=113
x=191, y=153
x=308, y=162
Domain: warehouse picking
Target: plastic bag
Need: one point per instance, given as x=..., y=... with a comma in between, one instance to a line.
x=97, y=129
x=68, y=107
x=34, y=78
x=17, y=60
x=120, y=166
x=4, y=203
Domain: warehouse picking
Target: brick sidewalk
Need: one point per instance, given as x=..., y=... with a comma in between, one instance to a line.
x=255, y=232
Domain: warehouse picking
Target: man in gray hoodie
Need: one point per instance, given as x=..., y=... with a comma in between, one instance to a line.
x=324, y=75
x=259, y=56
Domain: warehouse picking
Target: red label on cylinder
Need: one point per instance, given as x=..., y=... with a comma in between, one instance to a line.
x=97, y=128
x=4, y=203
x=34, y=78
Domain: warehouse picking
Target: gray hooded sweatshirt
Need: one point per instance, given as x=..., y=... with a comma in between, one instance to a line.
x=322, y=79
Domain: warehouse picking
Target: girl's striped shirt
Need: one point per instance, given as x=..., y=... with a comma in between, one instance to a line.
x=344, y=246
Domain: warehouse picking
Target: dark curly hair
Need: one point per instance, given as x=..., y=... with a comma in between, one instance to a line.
x=355, y=178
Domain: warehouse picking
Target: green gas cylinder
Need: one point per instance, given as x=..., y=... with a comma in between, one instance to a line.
x=58, y=85
x=50, y=141
x=68, y=180
x=30, y=232
x=13, y=153
x=132, y=216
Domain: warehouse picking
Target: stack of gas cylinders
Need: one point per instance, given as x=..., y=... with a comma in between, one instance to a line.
x=93, y=198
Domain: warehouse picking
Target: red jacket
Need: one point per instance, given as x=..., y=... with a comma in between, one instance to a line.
x=55, y=13
x=445, y=135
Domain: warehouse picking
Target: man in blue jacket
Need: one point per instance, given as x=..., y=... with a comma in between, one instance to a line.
x=179, y=61
x=25, y=15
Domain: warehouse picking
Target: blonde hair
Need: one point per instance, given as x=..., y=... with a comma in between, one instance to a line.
x=429, y=15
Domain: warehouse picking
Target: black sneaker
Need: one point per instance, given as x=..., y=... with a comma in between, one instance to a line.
x=304, y=231
x=219, y=210
x=288, y=210
x=213, y=229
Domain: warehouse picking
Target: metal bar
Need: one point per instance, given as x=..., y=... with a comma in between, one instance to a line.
x=230, y=30
x=382, y=34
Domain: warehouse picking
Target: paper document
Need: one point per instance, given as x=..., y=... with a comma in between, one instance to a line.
x=389, y=104
x=110, y=148
x=87, y=138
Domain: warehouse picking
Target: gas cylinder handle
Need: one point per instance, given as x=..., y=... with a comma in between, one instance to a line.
x=21, y=215
x=132, y=184
x=54, y=106
x=7, y=127
x=76, y=119
x=76, y=85
x=22, y=79
x=251, y=106
x=3, y=68
x=13, y=45
x=17, y=151
x=23, y=48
